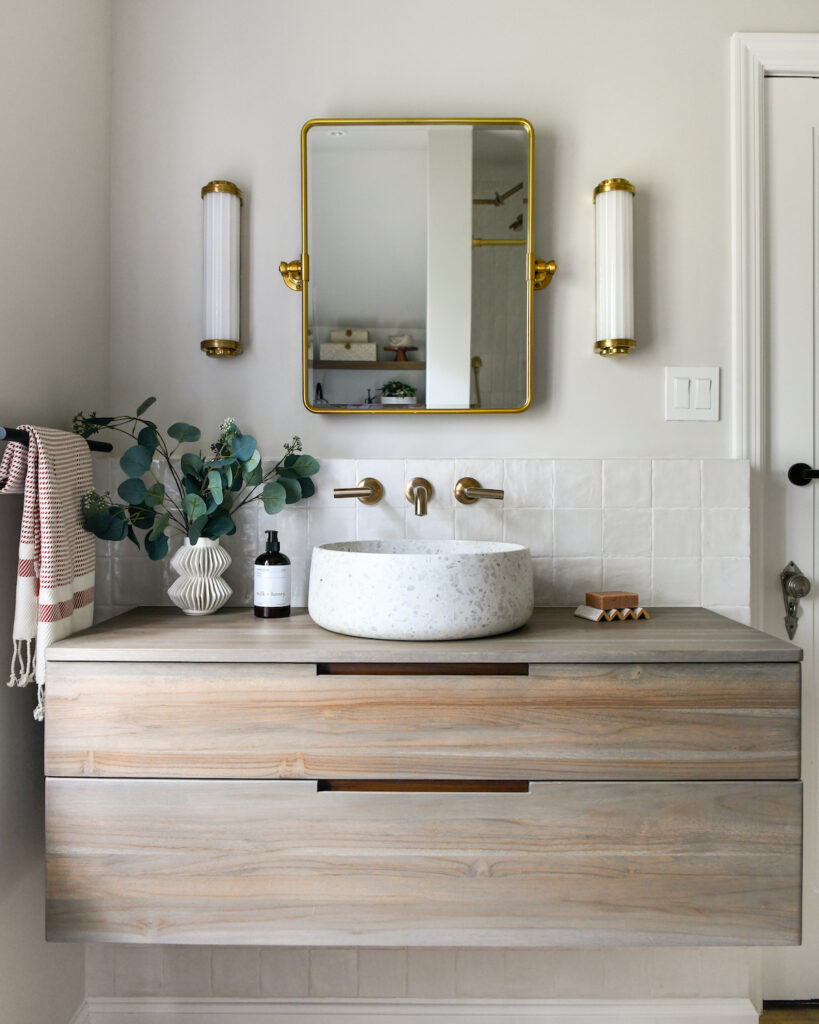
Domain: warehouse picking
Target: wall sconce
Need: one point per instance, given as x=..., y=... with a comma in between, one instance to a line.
x=222, y=203
x=614, y=201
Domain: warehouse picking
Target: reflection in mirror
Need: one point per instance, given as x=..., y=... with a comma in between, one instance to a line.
x=418, y=237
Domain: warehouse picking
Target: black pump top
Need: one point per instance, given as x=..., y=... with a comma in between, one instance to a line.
x=273, y=544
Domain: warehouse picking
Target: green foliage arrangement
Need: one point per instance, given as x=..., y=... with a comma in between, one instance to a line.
x=207, y=492
x=397, y=389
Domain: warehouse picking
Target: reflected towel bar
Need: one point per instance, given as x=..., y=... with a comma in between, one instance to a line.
x=21, y=437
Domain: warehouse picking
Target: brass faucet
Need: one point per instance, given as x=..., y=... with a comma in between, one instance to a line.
x=418, y=492
x=369, y=491
x=468, y=490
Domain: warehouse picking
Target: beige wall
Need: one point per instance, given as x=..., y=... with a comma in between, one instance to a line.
x=637, y=89
x=55, y=83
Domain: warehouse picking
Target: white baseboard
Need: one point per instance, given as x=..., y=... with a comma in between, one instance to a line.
x=104, y=1010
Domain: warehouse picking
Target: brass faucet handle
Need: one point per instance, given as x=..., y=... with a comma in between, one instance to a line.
x=369, y=491
x=468, y=490
x=418, y=492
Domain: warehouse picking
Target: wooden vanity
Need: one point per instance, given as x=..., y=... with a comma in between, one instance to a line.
x=236, y=780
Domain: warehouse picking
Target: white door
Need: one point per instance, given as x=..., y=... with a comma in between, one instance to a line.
x=788, y=521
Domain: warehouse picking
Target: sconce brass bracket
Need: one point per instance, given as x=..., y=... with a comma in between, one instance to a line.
x=219, y=347
x=292, y=274
x=542, y=273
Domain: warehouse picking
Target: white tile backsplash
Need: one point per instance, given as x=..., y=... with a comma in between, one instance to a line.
x=578, y=483
x=528, y=483
x=627, y=533
x=677, y=530
x=726, y=483
x=578, y=532
x=676, y=533
x=676, y=483
x=626, y=483
x=531, y=527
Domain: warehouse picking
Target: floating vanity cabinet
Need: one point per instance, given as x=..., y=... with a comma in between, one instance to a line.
x=237, y=780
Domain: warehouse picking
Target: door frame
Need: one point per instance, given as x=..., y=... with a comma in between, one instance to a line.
x=755, y=56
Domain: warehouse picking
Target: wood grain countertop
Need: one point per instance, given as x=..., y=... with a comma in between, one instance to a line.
x=552, y=636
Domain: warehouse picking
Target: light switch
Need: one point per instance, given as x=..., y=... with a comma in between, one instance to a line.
x=692, y=392
x=682, y=392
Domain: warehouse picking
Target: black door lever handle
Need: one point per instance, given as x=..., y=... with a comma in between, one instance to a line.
x=800, y=474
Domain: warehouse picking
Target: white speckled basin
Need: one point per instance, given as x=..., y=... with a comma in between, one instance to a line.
x=421, y=589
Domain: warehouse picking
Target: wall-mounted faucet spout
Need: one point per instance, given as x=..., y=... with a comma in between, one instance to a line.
x=418, y=492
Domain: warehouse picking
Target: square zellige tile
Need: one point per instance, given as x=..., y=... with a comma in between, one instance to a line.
x=578, y=532
x=531, y=527
x=527, y=483
x=578, y=483
x=626, y=532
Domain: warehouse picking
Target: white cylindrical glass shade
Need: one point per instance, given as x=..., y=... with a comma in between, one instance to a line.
x=615, y=267
x=221, y=203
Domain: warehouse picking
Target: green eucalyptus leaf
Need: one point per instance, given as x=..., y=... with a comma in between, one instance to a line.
x=136, y=461
x=219, y=526
x=155, y=495
x=215, y=485
x=243, y=446
x=306, y=465
x=147, y=438
x=292, y=490
x=98, y=523
x=145, y=405
x=192, y=465
x=254, y=477
x=308, y=488
x=227, y=472
x=132, y=536
x=133, y=491
x=194, y=507
x=196, y=528
x=117, y=526
x=252, y=462
x=274, y=497
x=192, y=485
x=160, y=524
x=184, y=432
x=142, y=517
x=157, y=547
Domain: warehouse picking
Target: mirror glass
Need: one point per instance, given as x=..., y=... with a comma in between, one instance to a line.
x=417, y=238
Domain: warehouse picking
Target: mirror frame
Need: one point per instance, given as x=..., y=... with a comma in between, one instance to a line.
x=398, y=410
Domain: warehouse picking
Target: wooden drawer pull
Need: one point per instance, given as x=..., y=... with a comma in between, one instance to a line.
x=423, y=785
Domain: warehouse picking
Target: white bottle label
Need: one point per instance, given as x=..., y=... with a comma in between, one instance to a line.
x=271, y=586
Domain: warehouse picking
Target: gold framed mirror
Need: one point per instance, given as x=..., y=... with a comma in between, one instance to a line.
x=417, y=270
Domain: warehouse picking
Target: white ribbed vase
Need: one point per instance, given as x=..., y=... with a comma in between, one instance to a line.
x=200, y=589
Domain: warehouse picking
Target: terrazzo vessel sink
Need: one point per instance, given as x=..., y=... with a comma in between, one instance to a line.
x=421, y=590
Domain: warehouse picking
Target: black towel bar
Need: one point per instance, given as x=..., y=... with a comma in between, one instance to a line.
x=21, y=437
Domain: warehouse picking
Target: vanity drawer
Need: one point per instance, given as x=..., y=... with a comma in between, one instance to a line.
x=591, y=721
x=563, y=864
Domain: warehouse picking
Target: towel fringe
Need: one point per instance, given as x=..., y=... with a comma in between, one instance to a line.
x=22, y=672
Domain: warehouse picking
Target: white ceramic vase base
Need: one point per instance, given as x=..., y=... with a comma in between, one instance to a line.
x=200, y=589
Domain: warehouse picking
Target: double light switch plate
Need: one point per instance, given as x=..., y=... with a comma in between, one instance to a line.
x=692, y=392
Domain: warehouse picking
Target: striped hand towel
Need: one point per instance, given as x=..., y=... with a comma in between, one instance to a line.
x=55, y=571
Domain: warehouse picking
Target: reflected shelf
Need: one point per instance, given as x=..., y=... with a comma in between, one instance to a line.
x=355, y=364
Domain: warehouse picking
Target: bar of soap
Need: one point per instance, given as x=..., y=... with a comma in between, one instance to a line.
x=612, y=599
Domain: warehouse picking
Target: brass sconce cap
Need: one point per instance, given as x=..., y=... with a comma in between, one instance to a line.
x=223, y=186
x=613, y=185
x=615, y=346
x=218, y=347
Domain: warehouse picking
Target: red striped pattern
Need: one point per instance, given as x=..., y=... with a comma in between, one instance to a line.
x=64, y=609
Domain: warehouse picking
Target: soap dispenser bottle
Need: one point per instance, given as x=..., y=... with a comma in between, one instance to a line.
x=271, y=581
